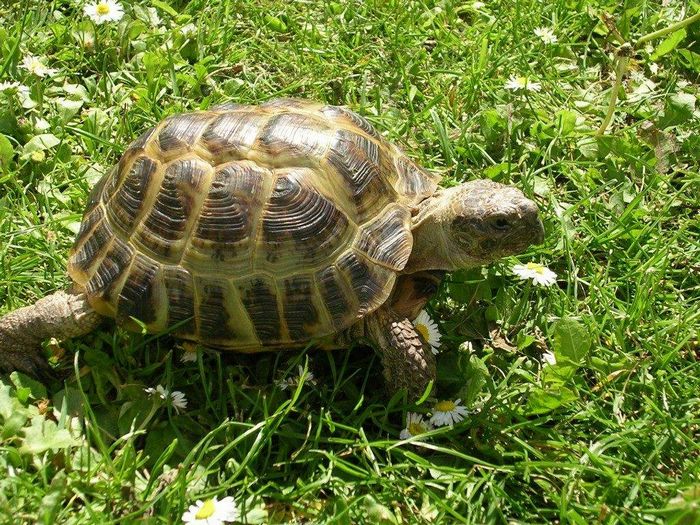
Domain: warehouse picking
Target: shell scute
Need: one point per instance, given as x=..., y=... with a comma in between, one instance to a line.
x=166, y=228
x=259, y=297
x=292, y=139
x=130, y=199
x=231, y=135
x=301, y=315
x=299, y=224
x=180, y=133
x=179, y=289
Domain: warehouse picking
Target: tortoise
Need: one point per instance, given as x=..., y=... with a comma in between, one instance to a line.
x=270, y=227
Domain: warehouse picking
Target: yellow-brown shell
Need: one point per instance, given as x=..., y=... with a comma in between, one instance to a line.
x=247, y=227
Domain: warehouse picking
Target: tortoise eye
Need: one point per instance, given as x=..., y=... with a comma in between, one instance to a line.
x=501, y=224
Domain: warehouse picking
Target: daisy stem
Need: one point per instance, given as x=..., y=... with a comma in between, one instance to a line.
x=666, y=30
x=620, y=69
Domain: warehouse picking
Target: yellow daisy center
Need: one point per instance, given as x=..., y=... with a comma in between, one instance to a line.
x=102, y=8
x=445, y=406
x=206, y=511
x=535, y=267
x=423, y=331
x=416, y=428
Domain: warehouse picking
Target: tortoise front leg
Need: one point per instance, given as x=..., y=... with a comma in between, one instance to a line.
x=61, y=315
x=408, y=361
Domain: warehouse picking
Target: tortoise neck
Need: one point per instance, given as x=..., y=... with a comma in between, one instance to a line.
x=431, y=243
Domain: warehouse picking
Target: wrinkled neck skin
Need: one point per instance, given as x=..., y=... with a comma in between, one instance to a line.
x=432, y=246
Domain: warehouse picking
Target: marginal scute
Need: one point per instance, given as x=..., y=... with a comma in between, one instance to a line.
x=92, y=217
x=89, y=254
x=350, y=119
x=259, y=296
x=300, y=313
x=180, y=133
x=387, y=239
x=107, y=279
x=214, y=322
x=414, y=183
x=175, y=210
x=129, y=201
x=180, y=292
x=140, y=297
x=140, y=143
x=339, y=303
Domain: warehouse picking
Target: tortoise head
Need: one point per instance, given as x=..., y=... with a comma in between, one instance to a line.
x=486, y=220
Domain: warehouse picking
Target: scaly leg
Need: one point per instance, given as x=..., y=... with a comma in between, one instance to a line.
x=408, y=361
x=61, y=315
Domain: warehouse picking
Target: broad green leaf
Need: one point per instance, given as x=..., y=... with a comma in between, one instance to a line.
x=275, y=23
x=572, y=341
x=477, y=373
x=669, y=44
x=690, y=59
x=164, y=6
x=542, y=401
x=36, y=390
x=40, y=143
x=679, y=109
x=43, y=434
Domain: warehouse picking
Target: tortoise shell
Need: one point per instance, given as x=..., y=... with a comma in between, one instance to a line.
x=247, y=227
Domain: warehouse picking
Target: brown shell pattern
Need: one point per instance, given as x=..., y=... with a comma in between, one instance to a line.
x=246, y=227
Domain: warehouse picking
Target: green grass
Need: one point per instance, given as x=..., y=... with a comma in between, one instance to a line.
x=610, y=434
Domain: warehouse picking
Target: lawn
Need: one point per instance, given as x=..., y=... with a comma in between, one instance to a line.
x=583, y=396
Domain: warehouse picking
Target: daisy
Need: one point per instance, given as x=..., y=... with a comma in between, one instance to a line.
x=478, y=5
x=176, y=398
x=189, y=30
x=539, y=273
x=8, y=86
x=36, y=67
x=548, y=358
x=14, y=87
x=428, y=330
x=211, y=512
x=448, y=412
x=516, y=83
x=415, y=426
x=292, y=382
x=546, y=34
x=190, y=353
x=104, y=11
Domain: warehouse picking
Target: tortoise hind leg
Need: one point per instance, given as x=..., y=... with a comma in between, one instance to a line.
x=408, y=361
x=61, y=315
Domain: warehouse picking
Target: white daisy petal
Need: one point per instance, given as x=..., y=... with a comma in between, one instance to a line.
x=538, y=273
x=212, y=512
x=448, y=412
x=548, y=358
x=178, y=400
x=36, y=66
x=428, y=329
x=516, y=83
x=546, y=35
x=415, y=426
x=104, y=11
